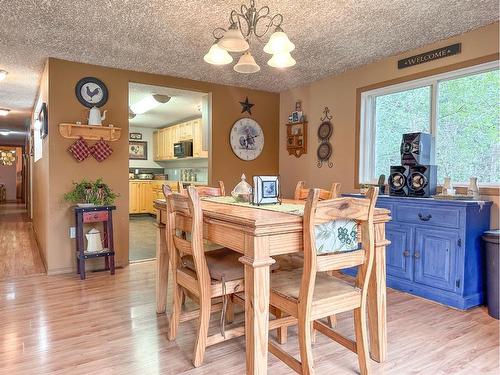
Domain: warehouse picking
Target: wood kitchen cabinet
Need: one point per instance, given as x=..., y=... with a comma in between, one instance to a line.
x=142, y=195
x=164, y=139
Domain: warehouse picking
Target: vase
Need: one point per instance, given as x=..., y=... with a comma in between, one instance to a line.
x=473, y=189
x=447, y=189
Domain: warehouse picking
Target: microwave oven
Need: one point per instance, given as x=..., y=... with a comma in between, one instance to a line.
x=183, y=149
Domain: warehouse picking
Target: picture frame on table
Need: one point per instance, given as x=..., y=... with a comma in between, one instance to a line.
x=266, y=190
x=138, y=150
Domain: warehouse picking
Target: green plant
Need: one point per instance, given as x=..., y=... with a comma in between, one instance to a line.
x=93, y=192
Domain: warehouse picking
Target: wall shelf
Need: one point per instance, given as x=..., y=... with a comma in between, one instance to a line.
x=296, y=138
x=92, y=133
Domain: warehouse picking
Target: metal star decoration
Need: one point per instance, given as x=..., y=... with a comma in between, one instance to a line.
x=246, y=106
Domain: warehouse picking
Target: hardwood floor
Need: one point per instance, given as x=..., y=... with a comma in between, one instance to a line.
x=108, y=325
x=19, y=255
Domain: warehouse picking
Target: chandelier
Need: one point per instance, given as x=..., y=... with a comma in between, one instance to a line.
x=244, y=27
x=7, y=157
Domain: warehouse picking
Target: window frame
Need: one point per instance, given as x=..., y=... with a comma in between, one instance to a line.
x=367, y=114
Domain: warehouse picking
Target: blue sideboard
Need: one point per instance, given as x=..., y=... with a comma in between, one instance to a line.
x=435, y=249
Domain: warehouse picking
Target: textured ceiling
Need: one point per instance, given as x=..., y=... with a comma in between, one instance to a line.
x=182, y=105
x=171, y=37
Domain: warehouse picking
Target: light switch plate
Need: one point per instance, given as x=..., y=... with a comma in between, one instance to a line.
x=72, y=232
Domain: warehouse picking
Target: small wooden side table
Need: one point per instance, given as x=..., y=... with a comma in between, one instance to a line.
x=95, y=214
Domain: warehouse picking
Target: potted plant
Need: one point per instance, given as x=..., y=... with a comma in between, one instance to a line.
x=91, y=193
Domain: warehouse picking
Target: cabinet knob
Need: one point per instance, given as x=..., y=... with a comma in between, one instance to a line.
x=406, y=253
x=417, y=254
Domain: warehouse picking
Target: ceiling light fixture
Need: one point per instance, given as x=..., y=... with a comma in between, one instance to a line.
x=148, y=103
x=3, y=74
x=247, y=25
x=4, y=112
x=7, y=157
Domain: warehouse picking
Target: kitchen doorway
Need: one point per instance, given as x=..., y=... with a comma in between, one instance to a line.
x=169, y=133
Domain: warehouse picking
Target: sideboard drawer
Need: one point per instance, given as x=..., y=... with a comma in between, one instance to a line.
x=95, y=216
x=425, y=215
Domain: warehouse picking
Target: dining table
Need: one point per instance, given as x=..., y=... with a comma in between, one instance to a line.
x=259, y=235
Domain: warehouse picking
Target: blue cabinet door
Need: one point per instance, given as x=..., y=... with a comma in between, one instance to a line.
x=398, y=254
x=435, y=258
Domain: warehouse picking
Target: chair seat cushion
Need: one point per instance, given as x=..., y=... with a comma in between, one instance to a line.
x=222, y=263
x=327, y=289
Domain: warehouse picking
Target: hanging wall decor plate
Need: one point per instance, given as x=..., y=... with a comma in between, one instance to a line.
x=91, y=92
x=325, y=131
x=246, y=139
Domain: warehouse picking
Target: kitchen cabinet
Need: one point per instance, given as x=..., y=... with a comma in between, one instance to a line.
x=142, y=195
x=163, y=146
x=198, y=140
x=435, y=249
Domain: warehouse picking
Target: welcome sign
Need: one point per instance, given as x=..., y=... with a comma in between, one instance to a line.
x=430, y=56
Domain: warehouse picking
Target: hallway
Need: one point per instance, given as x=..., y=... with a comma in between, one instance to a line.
x=19, y=255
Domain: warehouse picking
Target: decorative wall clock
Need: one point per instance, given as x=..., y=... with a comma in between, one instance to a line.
x=91, y=92
x=246, y=139
x=325, y=131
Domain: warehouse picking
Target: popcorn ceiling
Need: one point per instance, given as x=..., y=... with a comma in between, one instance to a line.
x=171, y=36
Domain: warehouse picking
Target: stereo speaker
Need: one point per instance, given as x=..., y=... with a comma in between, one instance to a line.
x=398, y=180
x=422, y=181
x=416, y=148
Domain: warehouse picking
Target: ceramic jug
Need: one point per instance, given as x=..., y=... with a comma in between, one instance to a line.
x=95, y=117
x=94, y=242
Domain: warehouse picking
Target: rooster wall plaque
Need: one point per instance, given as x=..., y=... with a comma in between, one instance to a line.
x=91, y=92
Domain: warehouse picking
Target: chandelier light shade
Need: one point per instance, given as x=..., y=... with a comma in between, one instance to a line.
x=233, y=40
x=218, y=56
x=278, y=43
x=249, y=26
x=7, y=157
x=148, y=103
x=246, y=64
x=281, y=60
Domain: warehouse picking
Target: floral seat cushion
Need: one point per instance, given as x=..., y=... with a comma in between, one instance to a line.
x=336, y=236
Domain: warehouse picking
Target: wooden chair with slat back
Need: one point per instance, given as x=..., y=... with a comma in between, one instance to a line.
x=205, y=275
x=294, y=260
x=301, y=192
x=309, y=294
x=206, y=191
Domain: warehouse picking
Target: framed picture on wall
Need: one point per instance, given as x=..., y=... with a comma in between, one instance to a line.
x=136, y=136
x=44, y=121
x=138, y=150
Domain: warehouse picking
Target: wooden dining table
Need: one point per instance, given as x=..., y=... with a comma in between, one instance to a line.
x=259, y=235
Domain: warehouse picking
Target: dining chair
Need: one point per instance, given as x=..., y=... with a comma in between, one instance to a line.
x=206, y=191
x=337, y=234
x=301, y=192
x=204, y=275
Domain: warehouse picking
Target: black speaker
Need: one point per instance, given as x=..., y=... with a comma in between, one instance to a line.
x=422, y=181
x=398, y=180
x=416, y=148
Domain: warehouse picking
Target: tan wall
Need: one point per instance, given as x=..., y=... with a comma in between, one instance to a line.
x=339, y=94
x=64, y=107
x=40, y=187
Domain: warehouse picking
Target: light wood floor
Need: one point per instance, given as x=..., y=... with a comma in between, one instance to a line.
x=108, y=325
x=19, y=255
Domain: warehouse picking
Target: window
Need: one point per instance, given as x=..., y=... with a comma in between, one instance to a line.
x=460, y=109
